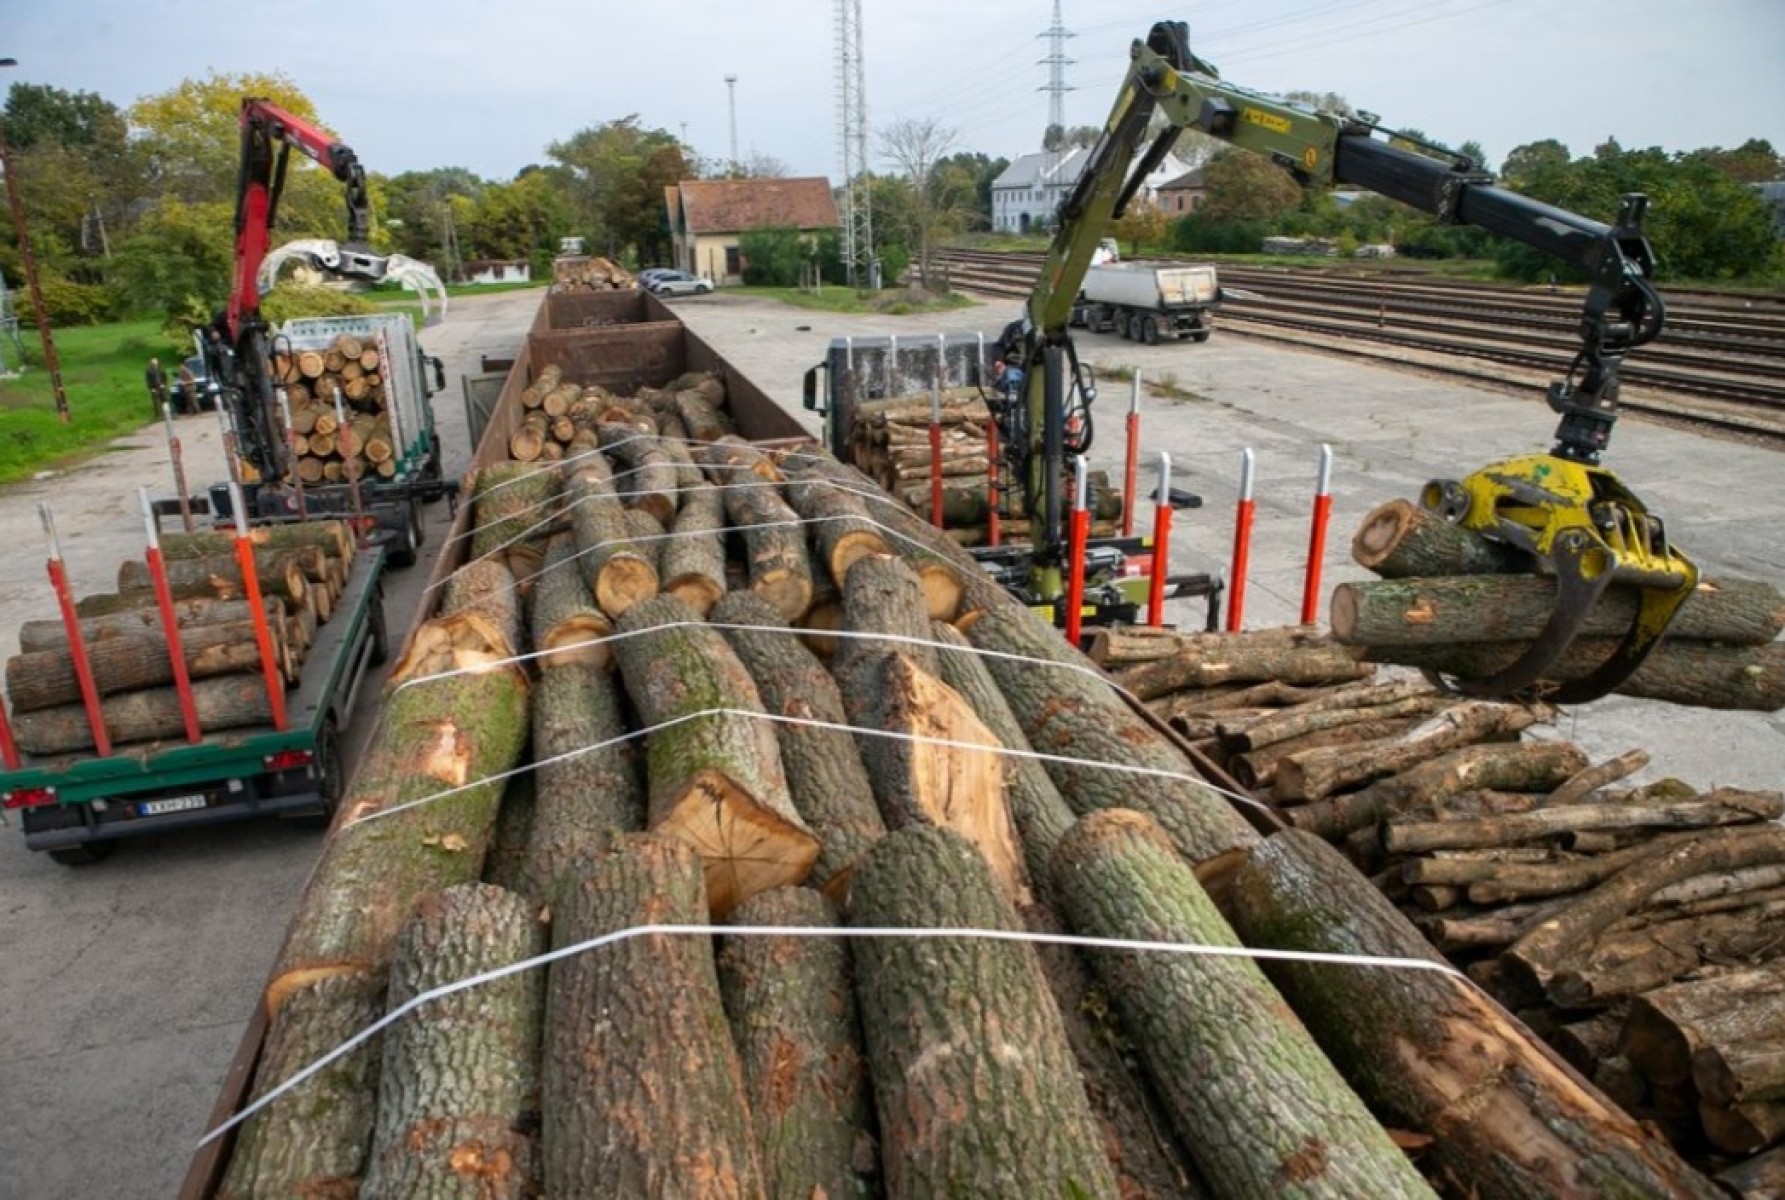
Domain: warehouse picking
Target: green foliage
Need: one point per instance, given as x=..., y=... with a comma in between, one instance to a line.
x=70, y=303
x=415, y=209
x=180, y=257
x=1533, y=158
x=614, y=174
x=773, y=257
x=523, y=220
x=1754, y=161
x=1198, y=233
x=1143, y=224
x=290, y=301
x=1240, y=186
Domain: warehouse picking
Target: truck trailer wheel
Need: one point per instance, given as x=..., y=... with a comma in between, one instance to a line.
x=332, y=777
x=404, y=552
x=1150, y=330
x=1200, y=336
x=81, y=856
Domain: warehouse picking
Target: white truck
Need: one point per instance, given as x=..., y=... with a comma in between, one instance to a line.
x=1148, y=301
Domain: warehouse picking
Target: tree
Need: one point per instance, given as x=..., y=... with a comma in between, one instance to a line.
x=1754, y=161
x=982, y=170
x=417, y=204
x=915, y=145
x=615, y=174
x=78, y=174
x=178, y=260
x=1532, y=158
x=1142, y=224
x=519, y=220
x=1241, y=186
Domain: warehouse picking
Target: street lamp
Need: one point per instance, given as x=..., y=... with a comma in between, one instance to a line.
x=50, y=360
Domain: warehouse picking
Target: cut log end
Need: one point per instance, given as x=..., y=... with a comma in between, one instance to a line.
x=624, y=580
x=744, y=847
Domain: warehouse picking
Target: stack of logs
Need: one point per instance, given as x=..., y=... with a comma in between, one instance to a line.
x=302, y=570
x=1640, y=931
x=589, y=274
x=326, y=449
x=890, y=442
x=560, y=419
x=929, y=756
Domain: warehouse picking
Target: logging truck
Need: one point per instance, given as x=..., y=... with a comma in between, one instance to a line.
x=1145, y=302
x=252, y=756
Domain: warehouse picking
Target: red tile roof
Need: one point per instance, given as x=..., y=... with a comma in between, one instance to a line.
x=731, y=205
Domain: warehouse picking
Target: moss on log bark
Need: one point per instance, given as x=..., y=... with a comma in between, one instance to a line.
x=974, y=1083
x=693, y=561
x=487, y=587
x=715, y=778
x=564, y=618
x=825, y=775
x=512, y=503
x=643, y=1093
x=460, y=1078
x=793, y=1018
x=1430, y=1053
x=1251, y=1094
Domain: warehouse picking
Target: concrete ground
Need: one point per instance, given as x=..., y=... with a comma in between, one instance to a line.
x=126, y=985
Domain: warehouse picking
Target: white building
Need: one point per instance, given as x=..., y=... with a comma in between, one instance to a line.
x=1029, y=192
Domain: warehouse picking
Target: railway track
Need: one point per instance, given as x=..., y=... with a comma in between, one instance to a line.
x=1720, y=364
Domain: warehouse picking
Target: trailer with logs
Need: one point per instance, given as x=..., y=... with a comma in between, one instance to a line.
x=687, y=668
x=246, y=724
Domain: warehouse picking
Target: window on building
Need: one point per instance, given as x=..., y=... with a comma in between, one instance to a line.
x=734, y=262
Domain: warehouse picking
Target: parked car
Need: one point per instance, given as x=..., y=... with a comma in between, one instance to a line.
x=203, y=397
x=679, y=283
x=650, y=274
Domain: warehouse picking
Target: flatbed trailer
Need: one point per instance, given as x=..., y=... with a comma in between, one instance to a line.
x=75, y=807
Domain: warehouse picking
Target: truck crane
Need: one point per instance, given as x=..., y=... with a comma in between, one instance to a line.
x=236, y=345
x=1576, y=519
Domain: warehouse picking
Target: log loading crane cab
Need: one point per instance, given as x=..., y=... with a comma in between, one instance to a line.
x=1574, y=517
x=236, y=345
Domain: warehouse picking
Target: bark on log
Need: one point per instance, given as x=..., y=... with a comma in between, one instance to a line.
x=839, y=521
x=1514, y=767
x=825, y=775
x=565, y=619
x=152, y=714
x=441, y=732
x=882, y=596
x=1505, y=882
x=1213, y=658
x=649, y=478
x=1315, y=774
x=646, y=535
x=1759, y=1178
x=1696, y=674
x=774, y=541
x=1722, y=1034
x=706, y=422
x=1722, y=807
x=460, y=1077
x=715, y=779
x=963, y=1111
x=283, y=573
x=588, y=784
x=487, y=587
x=617, y=573
x=128, y=663
x=798, y=1036
x=1433, y=1055
x=643, y=1094
x=1256, y=770
x=731, y=459
x=1250, y=1093
x=1040, y=814
x=693, y=561
x=1593, y=778
x=314, y=1140
x=505, y=864
x=139, y=620
x=1296, y=722
x=1542, y=952
x=1742, y=1128
x=1400, y=540
x=511, y=503
x=1066, y=710
x=332, y=537
x=1487, y=608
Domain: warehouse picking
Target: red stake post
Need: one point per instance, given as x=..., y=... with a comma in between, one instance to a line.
x=1133, y=463
x=1161, y=545
x=77, y=644
x=994, y=497
x=1242, y=546
x=179, y=462
x=263, y=633
x=1077, y=538
x=170, y=622
x=1323, y=511
x=9, y=749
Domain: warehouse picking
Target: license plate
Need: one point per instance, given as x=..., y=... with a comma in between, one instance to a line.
x=154, y=808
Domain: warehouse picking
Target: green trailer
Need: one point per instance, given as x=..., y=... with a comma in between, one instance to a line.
x=76, y=807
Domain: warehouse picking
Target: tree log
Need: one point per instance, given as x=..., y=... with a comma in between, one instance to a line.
x=1722, y=807
x=1743, y=1128
x=1697, y=674
x=775, y=543
x=139, y=620
x=1257, y=769
x=284, y=573
x=730, y=459
x=794, y=1020
x=882, y=596
x=564, y=617
x=1431, y=1054
x=838, y=520
x=150, y=715
x=1593, y=778
x=332, y=537
x=127, y=663
x=693, y=561
x=974, y=1082
x=649, y=479
x=1314, y=774
x=715, y=778
x=646, y=536
x=825, y=775
x=486, y=587
x=461, y=1075
x=1488, y=608
x=617, y=573
x=1759, y=1178
x=1400, y=540
x=643, y=1094
x=1298, y=722
x=1067, y=711
x=314, y=1140
x=1681, y=1033
x=1203, y=660
x=511, y=503
x=1248, y=1090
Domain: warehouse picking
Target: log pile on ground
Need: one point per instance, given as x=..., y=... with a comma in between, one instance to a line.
x=336, y=443
x=589, y=273
x=302, y=571
x=725, y=764
x=1453, y=602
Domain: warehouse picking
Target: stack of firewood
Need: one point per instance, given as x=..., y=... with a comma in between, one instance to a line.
x=589, y=274
x=302, y=570
x=337, y=443
x=890, y=442
x=666, y=1065
x=560, y=418
x=1452, y=601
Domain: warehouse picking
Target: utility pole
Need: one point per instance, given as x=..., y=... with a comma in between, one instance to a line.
x=50, y=361
x=731, y=84
x=852, y=138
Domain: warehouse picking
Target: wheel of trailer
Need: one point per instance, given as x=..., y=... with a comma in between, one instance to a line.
x=81, y=856
x=1150, y=331
x=380, y=630
x=1200, y=336
x=408, y=543
x=1130, y=327
x=331, y=773
x=430, y=469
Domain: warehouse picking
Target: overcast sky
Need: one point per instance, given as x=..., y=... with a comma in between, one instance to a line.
x=488, y=84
